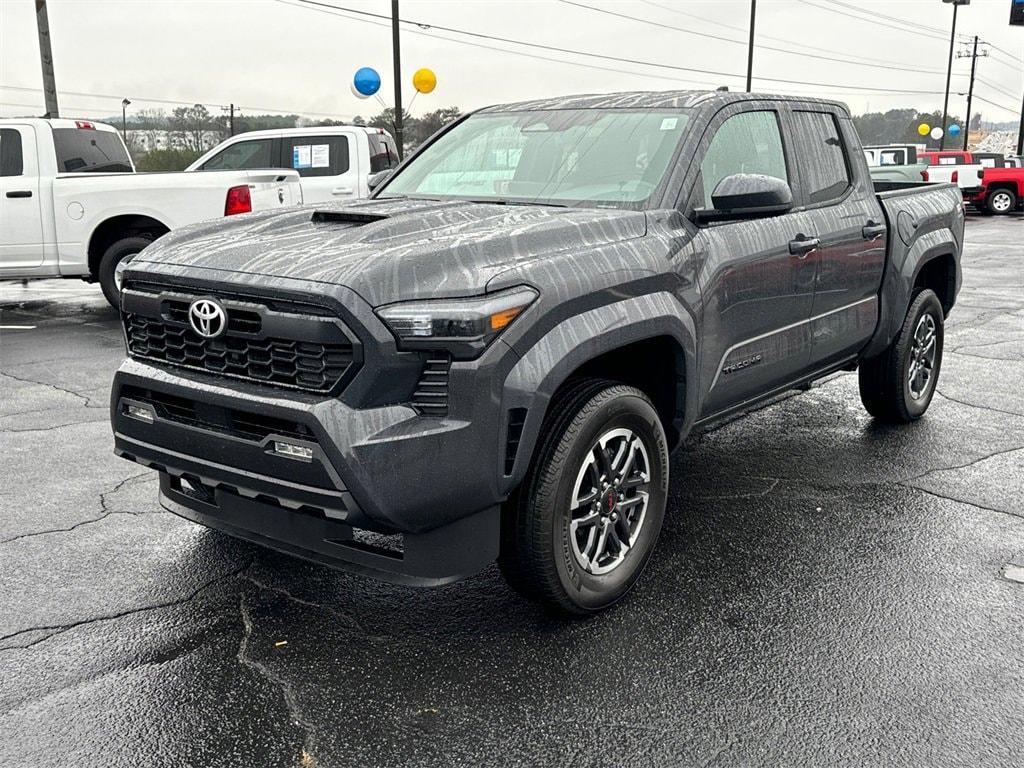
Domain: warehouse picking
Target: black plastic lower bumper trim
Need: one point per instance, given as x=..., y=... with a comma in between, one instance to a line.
x=439, y=556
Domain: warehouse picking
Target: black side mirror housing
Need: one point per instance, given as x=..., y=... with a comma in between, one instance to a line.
x=747, y=196
x=376, y=179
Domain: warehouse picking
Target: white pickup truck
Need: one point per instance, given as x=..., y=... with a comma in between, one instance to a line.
x=334, y=162
x=71, y=204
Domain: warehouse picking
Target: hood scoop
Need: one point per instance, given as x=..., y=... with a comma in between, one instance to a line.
x=347, y=217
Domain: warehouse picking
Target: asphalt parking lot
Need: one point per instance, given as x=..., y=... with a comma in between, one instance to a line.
x=826, y=591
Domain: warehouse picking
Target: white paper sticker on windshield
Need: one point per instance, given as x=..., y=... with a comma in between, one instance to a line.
x=301, y=156
x=321, y=155
x=669, y=123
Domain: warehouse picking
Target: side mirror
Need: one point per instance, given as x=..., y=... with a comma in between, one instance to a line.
x=747, y=196
x=376, y=179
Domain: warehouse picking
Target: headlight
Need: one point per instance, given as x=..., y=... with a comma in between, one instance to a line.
x=122, y=265
x=463, y=327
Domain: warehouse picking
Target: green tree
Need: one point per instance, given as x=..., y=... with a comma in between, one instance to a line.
x=166, y=160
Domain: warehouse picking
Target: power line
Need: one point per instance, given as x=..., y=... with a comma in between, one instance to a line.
x=174, y=102
x=995, y=87
x=869, y=20
x=590, y=54
x=744, y=43
x=1011, y=110
x=784, y=40
x=538, y=57
x=896, y=19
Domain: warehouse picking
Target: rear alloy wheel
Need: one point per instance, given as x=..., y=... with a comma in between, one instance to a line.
x=581, y=528
x=1001, y=201
x=898, y=385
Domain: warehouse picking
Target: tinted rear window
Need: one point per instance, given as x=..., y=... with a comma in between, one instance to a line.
x=822, y=158
x=82, y=150
x=10, y=153
x=383, y=154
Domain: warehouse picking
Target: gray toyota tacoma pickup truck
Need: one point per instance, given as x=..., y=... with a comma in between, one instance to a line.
x=493, y=357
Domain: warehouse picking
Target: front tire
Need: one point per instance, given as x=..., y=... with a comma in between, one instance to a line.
x=897, y=386
x=1001, y=201
x=117, y=252
x=581, y=529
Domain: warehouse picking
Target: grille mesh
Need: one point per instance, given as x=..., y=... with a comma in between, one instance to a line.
x=302, y=364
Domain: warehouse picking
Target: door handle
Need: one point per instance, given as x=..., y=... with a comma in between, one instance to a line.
x=20, y=193
x=341, y=191
x=872, y=230
x=803, y=245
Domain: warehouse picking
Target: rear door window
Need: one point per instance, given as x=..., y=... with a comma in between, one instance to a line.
x=383, y=154
x=243, y=156
x=821, y=156
x=749, y=142
x=11, y=161
x=315, y=155
x=86, y=150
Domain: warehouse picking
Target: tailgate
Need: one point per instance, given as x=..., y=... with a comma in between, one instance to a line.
x=274, y=189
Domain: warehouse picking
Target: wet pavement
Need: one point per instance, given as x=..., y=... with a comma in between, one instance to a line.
x=826, y=591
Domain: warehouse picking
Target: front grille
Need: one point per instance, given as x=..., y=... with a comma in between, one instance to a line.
x=260, y=344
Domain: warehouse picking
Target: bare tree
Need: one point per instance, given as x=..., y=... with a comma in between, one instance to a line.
x=189, y=126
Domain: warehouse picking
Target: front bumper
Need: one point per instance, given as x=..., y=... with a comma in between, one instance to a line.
x=384, y=492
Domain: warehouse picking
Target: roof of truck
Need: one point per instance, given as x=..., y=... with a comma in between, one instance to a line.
x=650, y=100
x=59, y=122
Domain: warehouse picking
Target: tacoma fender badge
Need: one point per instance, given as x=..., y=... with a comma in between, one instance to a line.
x=741, y=364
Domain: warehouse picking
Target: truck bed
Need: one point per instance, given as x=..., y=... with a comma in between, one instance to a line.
x=922, y=220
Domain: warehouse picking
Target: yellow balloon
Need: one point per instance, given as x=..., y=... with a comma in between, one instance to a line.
x=424, y=80
x=924, y=129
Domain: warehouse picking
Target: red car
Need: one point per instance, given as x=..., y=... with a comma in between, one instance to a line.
x=1001, y=191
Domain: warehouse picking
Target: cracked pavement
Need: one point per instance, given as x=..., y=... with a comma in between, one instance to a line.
x=826, y=590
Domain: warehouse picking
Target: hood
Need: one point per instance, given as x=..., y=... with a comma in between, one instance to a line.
x=393, y=250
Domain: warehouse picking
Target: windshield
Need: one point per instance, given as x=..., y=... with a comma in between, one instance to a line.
x=604, y=157
x=82, y=150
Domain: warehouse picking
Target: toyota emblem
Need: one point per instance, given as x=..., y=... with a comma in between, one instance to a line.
x=207, y=318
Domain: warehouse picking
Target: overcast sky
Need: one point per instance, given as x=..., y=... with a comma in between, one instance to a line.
x=287, y=56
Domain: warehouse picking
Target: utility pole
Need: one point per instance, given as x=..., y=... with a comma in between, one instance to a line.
x=231, y=120
x=46, y=57
x=1020, y=133
x=949, y=68
x=970, y=91
x=750, y=46
x=396, y=51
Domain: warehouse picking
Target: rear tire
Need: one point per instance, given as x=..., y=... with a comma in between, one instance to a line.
x=897, y=386
x=599, y=478
x=117, y=252
x=1001, y=201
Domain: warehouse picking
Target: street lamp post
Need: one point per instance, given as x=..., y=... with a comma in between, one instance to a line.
x=949, y=68
x=124, y=119
x=750, y=46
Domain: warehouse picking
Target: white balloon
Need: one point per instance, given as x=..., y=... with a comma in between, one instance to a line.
x=937, y=133
x=356, y=93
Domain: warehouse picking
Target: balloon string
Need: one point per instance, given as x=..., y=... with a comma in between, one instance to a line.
x=382, y=102
x=408, y=109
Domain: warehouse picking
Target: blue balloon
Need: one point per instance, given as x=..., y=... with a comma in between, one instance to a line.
x=366, y=82
x=954, y=130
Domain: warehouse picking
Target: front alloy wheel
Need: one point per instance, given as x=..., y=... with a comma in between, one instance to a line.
x=581, y=528
x=610, y=500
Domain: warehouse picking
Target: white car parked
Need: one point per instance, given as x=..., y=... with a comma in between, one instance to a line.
x=71, y=204
x=334, y=162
